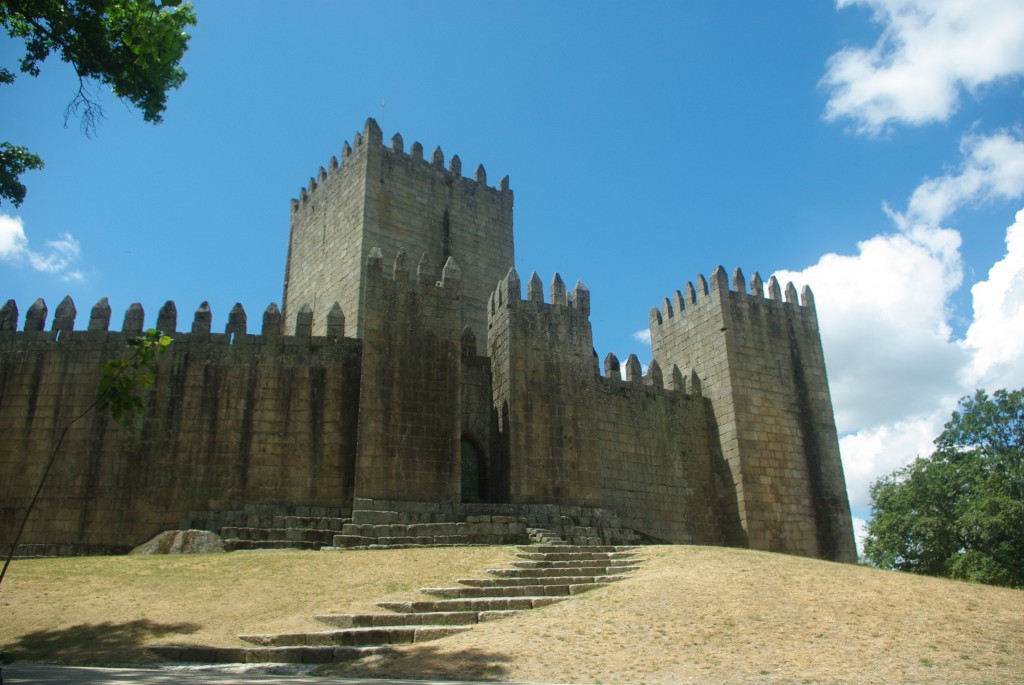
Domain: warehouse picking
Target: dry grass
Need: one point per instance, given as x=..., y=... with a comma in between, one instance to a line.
x=105, y=610
x=691, y=614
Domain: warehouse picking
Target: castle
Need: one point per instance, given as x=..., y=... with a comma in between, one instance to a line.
x=409, y=393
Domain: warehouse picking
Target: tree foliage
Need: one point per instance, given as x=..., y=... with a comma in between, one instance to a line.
x=14, y=161
x=123, y=380
x=132, y=46
x=960, y=512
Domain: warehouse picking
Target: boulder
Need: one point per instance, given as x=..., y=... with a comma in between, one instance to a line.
x=182, y=542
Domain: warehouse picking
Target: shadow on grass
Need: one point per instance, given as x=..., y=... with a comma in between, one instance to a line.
x=424, y=662
x=94, y=643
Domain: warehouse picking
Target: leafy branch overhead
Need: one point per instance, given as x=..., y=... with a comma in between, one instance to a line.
x=134, y=47
x=124, y=379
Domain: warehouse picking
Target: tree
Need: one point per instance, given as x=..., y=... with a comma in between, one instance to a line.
x=133, y=46
x=960, y=512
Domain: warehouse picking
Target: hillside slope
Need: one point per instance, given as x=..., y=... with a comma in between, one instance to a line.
x=712, y=615
x=690, y=614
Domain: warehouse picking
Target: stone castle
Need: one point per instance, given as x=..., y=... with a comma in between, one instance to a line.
x=408, y=393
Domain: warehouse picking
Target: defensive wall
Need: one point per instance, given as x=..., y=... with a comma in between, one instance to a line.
x=280, y=421
x=233, y=419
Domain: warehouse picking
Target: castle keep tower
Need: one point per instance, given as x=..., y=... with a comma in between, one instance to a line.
x=388, y=198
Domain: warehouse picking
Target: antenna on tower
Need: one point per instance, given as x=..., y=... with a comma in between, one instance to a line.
x=382, y=114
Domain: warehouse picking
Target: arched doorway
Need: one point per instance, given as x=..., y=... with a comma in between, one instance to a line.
x=473, y=477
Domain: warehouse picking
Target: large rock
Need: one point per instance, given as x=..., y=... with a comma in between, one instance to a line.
x=182, y=542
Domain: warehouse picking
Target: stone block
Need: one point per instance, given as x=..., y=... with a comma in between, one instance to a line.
x=374, y=517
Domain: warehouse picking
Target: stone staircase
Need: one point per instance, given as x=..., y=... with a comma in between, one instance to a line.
x=542, y=575
x=285, y=532
x=393, y=529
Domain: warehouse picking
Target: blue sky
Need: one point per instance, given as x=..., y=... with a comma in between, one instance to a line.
x=872, y=150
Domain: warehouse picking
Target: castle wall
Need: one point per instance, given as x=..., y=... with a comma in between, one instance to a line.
x=574, y=437
x=392, y=199
x=232, y=419
x=761, y=365
x=659, y=461
x=410, y=420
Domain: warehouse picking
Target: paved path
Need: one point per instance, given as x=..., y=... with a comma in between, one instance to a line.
x=25, y=674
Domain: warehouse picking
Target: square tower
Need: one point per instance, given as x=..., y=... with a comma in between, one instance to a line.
x=387, y=198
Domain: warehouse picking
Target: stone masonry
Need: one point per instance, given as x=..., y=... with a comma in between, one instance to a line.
x=409, y=393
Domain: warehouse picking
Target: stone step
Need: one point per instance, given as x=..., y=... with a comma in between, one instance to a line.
x=363, y=542
x=573, y=556
x=298, y=534
x=592, y=571
x=233, y=545
x=511, y=591
x=537, y=580
x=356, y=637
x=261, y=655
x=440, y=618
x=577, y=563
x=470, y=604
x=563, y=549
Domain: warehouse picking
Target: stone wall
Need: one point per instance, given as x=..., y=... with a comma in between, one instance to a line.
x=232, y=419
x=393, y=199
x=660, y=462
x=760, y=363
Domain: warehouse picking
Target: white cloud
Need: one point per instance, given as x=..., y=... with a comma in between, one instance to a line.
x=13, y=243
x=643, y=336
x=929, y=52
x=895, y=369
x=57, y=259
x=883, y=320
x=995, y=339
x=877, y=450
x=859, y=531
x=993, y=170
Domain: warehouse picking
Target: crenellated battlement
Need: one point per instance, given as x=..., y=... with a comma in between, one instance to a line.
x=372, y=138
x=100, y=317
x=720, y=286
x=449, y=281
x=509, y=293
x=676, y=381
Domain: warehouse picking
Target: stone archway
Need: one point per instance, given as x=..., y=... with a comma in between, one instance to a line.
x=474, y=477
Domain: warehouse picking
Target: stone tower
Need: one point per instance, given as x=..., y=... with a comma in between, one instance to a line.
x=387, y=198
x=761, y=365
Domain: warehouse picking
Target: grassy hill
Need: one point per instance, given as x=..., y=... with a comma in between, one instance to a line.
x=691, y=614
